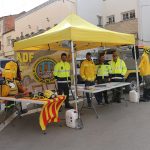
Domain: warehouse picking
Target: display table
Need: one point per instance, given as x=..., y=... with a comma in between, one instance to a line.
x=50, y=109
x=100, y=88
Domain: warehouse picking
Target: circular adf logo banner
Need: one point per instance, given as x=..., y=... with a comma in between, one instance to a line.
x=43, y=70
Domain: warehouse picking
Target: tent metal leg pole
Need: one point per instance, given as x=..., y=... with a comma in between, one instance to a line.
x=79, y=123
x=74, y=73
x=137, y=75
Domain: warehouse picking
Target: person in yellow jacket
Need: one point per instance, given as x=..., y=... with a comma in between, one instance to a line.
x=119, y=70
x=62, y=75
x=103, y=76
x=88, y=74
x=145, y=72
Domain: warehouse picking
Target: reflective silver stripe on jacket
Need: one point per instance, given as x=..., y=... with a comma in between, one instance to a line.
x=63, y=81
x=117, y=78
x=62, y=71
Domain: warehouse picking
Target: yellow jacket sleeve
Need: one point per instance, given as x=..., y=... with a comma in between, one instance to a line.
x=124, y=68
x=95, y=68
x=56, y=70
x=141, y=66
x=82, y=71
x=109, y=69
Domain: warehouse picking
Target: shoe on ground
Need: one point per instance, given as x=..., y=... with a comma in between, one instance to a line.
x=100, y=103
x=106, y=102
x=142, y=99
x=69, y=106
x=114, y=101
x=147, y=97
x=89, y=105
x=119, y=101
x=24, y=111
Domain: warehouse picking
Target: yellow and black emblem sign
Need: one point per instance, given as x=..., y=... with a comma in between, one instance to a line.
x=43, y=70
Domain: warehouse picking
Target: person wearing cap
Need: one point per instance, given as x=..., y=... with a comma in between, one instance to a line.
x=119, y=70
x=103, y=76
x=88, y=74
x=145, y=72
x=62, y=75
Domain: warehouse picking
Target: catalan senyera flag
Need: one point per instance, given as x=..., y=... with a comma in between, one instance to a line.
x=50, y=109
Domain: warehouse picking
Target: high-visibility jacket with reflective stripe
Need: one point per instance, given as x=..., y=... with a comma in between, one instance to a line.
x=88, y=70
x=118, y=67
x=62, y=70
x=103, y=70
x=145, y=65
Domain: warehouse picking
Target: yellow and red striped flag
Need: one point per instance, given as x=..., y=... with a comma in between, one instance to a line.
x=50, y=109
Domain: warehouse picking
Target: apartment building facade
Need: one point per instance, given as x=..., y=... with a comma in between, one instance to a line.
x=33, y=22
x=129, y=17
x=1, y=37
x=116, y=15
x=121, y=16
x=43, y=17
x=90, y=10
x=144, y=22
x=6, y=26
x=49, y=14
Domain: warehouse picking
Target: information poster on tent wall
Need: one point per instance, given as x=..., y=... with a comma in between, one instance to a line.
x=37, y=67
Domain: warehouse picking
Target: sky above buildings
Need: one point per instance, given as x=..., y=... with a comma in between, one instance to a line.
x=10, y=7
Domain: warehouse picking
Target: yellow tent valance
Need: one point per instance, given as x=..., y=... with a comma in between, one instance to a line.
x=73, y=28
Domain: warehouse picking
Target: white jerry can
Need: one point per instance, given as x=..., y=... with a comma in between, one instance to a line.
x=2, y=106
x=133, y=96
x=71, y=118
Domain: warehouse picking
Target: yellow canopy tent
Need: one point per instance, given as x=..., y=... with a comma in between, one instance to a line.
x=81, y=34
x=73, y=28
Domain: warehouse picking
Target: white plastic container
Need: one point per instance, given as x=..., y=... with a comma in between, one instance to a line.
x=133, y=96
x=71, y=117
x=2, y=106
